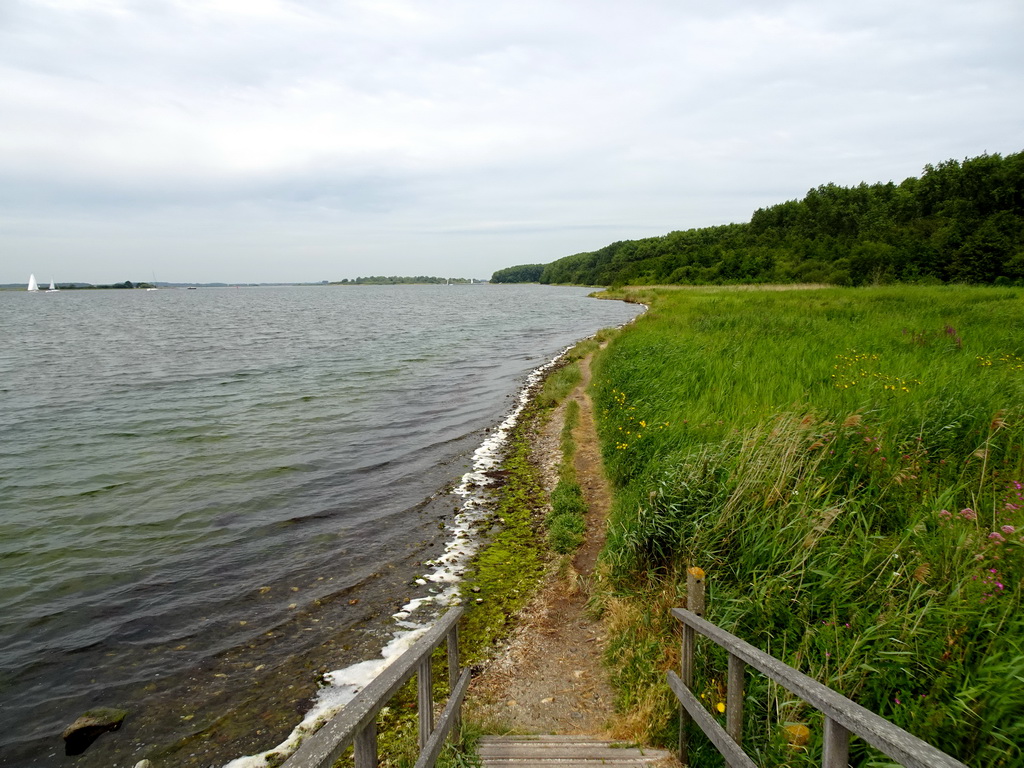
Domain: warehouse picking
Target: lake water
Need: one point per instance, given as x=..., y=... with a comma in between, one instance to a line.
x=209, y=498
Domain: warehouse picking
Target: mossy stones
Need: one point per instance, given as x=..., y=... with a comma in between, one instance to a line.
x=90, y=726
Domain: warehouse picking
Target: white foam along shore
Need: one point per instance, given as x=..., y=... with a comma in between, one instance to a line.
x=415, y=617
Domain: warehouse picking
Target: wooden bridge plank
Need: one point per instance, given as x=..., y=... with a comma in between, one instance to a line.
x=541, y=749
x=567, y=762
x=562, y=752
x=575, y=752
x=547, y=738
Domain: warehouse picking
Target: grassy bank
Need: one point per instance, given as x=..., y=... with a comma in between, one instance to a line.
x=566, y=523
x=846, y=464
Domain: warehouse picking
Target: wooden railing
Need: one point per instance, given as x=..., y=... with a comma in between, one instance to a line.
x=357, y=722
x=843, y=718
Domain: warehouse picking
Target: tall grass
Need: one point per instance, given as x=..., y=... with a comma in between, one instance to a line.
x=847, y=466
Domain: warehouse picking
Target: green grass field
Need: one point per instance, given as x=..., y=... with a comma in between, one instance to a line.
x=846, y=465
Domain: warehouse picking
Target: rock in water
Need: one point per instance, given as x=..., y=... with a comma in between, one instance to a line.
x=89, y=726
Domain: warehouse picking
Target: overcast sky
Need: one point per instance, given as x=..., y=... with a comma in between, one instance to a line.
x=303, y=140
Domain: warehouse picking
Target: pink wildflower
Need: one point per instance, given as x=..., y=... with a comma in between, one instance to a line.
x=1007, y=529
x=968, y=514
x=996, y=536
x=945, y=513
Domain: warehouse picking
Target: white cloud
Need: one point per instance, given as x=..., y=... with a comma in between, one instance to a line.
x=462, y=132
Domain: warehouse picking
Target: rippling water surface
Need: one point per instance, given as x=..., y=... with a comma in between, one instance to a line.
x=207, y=497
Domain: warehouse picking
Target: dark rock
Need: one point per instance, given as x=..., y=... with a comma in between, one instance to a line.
x=89, y=727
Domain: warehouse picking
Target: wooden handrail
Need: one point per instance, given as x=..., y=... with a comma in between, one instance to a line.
x=356, y=723
x=843, y=717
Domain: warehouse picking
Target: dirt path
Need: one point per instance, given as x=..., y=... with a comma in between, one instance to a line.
x=549, y=677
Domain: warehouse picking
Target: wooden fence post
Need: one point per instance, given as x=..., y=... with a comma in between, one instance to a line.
x=366, y=746
x=425, y=686
x=837, y=745
x=453, y=671
x=695, y=591
x=734, y=699
x=695, y=604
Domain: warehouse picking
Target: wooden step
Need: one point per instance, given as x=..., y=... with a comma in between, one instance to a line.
x=563, y=752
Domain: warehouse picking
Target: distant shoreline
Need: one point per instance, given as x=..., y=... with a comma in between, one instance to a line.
x=128, y=285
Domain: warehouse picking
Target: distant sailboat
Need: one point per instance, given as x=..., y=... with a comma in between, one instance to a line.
x=53, y=288
x=32, y=284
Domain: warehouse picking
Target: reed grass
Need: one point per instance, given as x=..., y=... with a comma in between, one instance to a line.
x=847, y=466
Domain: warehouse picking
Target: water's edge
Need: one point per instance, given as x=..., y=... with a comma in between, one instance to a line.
x=417, y=616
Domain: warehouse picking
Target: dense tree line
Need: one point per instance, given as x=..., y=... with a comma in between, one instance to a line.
x=524, y=273
x=957, y=222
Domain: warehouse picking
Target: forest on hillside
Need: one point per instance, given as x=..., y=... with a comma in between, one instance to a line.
x=959, y=222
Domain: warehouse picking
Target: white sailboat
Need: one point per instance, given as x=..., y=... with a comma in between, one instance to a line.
x=53, y=288
x=32, y=284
